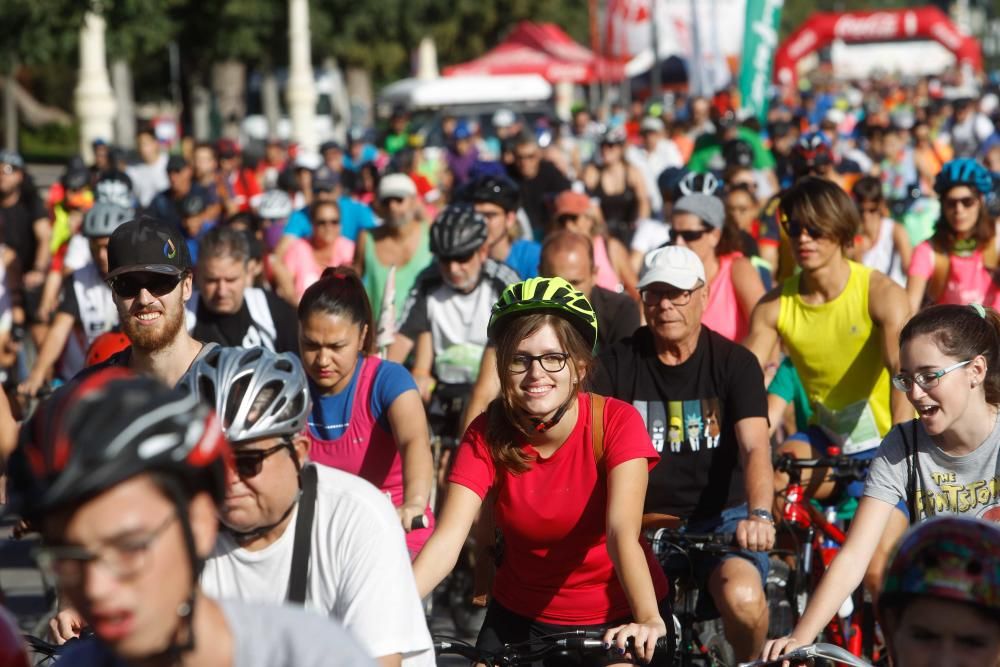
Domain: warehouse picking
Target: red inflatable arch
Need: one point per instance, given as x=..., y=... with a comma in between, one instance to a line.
x=884, y=25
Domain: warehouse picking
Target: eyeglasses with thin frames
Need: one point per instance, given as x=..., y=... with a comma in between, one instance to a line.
x=925, y=379
x=124, y=559
x=653, y=296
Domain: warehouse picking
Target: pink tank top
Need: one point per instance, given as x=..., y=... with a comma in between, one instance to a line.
x=300, y=259
x=606, y=276
x=369, y=451
x=723, y=314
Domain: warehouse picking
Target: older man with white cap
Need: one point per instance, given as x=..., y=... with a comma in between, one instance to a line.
x=719, y=477
x=399, y=245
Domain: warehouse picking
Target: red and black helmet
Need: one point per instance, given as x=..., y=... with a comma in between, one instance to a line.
x=107, y=428
x=105, y=346
x=811, y=151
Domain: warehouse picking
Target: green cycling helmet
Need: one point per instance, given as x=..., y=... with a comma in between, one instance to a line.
x=952, y=557
x=545, y=295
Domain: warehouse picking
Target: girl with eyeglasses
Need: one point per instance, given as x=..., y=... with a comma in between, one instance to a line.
x=367, y=417
x=564, y=473
x=944, y=462
x=957, y=263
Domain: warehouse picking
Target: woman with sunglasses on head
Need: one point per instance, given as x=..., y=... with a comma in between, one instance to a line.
x=957, y=263
x=945, y=462
x=698, y=222
x=367, y=416
x=565, y=475
x=306, y=259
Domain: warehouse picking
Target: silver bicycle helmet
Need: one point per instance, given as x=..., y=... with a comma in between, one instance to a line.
x=104, y=218
x=256, y=393
x=274, y=205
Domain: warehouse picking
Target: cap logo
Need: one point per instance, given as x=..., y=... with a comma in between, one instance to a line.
x=169, y=249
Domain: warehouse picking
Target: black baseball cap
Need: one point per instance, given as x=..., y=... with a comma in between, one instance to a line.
x=176, y=163
x=147, y=244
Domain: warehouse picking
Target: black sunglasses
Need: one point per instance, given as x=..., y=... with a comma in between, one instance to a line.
x=129, y=285
x=461, y=259
x=795, y=228
x=248, y=463
x=689, y=236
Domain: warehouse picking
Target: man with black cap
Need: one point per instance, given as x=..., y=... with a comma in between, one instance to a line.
x=172, y=204
x=498, y=199
x=149, y=271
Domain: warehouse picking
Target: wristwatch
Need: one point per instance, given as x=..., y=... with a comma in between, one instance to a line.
x=762, y=514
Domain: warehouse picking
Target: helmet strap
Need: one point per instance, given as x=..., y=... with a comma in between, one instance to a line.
x=543, y=425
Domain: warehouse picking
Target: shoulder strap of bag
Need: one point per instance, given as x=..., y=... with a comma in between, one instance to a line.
x=597, y=431
x=910, y=447
x=303, y=538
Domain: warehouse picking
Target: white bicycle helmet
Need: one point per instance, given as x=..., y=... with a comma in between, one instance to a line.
x=256, y=393
x=104, y=218
x=695, y=183
x=274, y=205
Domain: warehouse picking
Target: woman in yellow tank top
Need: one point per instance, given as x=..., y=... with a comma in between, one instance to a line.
x=839, y=322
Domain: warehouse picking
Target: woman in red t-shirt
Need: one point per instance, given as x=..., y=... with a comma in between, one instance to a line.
x=569, y=513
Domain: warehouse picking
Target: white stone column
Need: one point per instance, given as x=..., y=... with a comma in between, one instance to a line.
x=301, y=92
x=93, y=97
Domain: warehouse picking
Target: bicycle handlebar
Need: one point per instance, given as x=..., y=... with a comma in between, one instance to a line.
x=810, y=652
x=586, y=641
x=839, y=466
x=418, y=522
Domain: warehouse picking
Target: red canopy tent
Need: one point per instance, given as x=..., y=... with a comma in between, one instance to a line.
x=544, y=49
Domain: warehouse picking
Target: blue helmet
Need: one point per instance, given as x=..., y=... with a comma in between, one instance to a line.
x=963, y=171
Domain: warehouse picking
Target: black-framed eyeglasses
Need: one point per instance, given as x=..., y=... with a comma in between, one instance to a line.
x=249, y=462
x=689, y=235
x=794, y=229
x=924, y=379
x=124, y=558
x=654, y=296
x=552, y=362
x=129, y=285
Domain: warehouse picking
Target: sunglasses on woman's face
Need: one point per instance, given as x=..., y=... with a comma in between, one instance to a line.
x=319, y=222
x=964, y=202
x=689, y=235
x=129, y=285
x=794, y=229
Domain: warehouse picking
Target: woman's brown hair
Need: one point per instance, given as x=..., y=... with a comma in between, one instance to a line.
x=506, y=429
x=962, y=333
x=821, y=203
x=339, y=291
x=945, y=235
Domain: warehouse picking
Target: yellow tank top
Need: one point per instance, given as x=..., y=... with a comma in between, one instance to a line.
x=838, y=353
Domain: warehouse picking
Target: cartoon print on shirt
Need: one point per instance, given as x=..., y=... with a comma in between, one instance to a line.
x=686, y=426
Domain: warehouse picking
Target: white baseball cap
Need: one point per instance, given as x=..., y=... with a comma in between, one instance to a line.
x=396, y=185
x=673, y=265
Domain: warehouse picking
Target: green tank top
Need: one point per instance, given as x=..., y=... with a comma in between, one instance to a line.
x=377, y=273
x=837, y=350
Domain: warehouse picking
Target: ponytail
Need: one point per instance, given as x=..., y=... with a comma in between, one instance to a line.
x=339, y=291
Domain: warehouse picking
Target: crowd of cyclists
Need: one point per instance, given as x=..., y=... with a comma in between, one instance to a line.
x=239, y=384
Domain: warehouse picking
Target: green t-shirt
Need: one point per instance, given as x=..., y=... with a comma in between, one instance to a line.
x=787, y=385
x=708, y=147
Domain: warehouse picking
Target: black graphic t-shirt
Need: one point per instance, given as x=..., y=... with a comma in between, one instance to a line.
x=690, y=411
x=274, y=327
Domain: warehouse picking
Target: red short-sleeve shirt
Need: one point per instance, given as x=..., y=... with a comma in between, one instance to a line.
x=556, y=568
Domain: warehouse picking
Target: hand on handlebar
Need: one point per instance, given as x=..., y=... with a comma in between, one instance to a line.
x=644, y=635
x=65, y=625
x=775, y=648
x=755, y=535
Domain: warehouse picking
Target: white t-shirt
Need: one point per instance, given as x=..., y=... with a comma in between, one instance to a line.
x=148, y=180
x=650, y=234
x=77, y=253
x=360, y=570
x=263, y=636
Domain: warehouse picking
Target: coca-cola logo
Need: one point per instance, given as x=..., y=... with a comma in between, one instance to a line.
x=802, y=44
x=880, y=25
x=943, y=33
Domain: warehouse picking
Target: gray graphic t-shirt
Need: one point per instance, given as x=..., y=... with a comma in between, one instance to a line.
x=967, y=485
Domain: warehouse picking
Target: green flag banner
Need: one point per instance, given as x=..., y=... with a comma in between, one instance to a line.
x=760, y=39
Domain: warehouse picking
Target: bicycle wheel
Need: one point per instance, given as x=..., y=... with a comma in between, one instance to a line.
x=779, y=590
